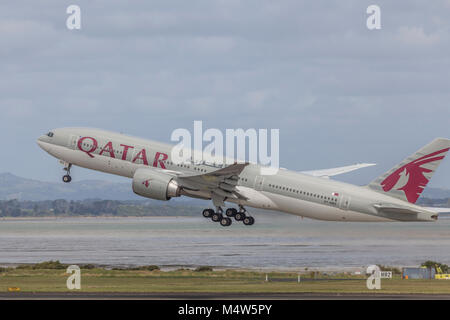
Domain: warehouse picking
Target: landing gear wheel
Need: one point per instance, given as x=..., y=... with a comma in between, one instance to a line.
x=231, y=212
x=207, y=213
x=225, y=222
x=239, y=216
x=216, y=217
x=67, y=178
x=248, y=221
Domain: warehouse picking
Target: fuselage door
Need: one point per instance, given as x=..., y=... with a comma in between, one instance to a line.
x=344, y=204
x=259, y=182
x=73, y=142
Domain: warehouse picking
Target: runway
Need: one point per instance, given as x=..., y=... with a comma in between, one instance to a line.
x=216, y=296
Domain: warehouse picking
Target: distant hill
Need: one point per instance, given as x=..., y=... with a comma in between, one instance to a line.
x=14, y=187
x=436, y=193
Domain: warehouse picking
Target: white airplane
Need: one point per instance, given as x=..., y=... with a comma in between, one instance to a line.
x=390, y=197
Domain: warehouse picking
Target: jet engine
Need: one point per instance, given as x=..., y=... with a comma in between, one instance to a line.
x=155, y=185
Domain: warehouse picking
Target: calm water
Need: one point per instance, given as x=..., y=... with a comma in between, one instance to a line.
x=273, y=242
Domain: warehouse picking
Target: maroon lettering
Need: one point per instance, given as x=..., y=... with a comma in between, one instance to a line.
x=94, y=145
x=160, y=161
x=108, y=148
x=125, y=151
x=141, y=155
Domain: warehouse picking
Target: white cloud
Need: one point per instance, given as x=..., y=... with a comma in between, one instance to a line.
x=416, y=36
x=310, y=68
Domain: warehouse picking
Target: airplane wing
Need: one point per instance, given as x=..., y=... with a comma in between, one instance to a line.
x=221, y=183
x=326, y=173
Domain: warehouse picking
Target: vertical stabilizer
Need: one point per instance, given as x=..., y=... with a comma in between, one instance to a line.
x=407, y=180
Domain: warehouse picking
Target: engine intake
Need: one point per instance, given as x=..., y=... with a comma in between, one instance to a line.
x=155, y=185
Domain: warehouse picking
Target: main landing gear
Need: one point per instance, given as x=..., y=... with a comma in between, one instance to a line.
x=217, y=216
x=67, y=178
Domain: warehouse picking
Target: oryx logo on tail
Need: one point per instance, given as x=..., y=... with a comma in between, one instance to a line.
x=411, y=178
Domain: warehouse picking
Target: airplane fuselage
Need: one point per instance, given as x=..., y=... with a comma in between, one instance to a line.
x=286, y=191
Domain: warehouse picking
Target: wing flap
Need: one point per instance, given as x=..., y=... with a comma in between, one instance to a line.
x=221, y=183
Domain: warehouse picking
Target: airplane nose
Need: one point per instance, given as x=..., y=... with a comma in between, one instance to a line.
x=42, y=142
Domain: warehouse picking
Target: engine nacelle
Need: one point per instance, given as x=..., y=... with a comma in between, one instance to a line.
x=155, y=185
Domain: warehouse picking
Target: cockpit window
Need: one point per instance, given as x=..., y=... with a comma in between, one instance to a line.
x=50, y=134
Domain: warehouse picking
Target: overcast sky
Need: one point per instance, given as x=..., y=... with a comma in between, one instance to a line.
x=338, y=92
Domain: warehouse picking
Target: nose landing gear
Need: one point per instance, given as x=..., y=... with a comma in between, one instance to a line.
x=67, y=178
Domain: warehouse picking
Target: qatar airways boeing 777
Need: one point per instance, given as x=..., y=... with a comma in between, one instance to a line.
x=155, y=175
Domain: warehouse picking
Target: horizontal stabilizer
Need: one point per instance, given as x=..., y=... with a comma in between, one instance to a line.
x=401, y=213
x=438, y=210
x=389, y=208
